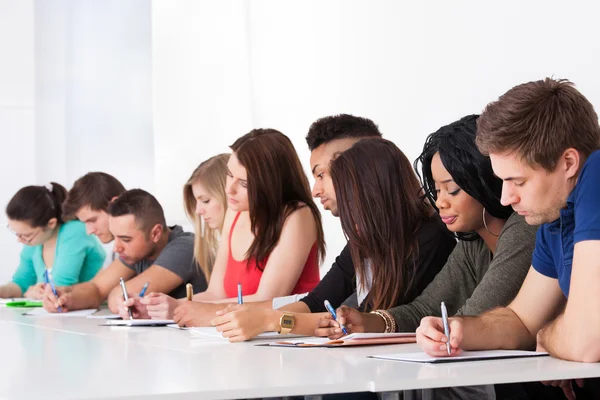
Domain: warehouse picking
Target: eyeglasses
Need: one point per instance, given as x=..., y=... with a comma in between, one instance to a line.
x=24, y=237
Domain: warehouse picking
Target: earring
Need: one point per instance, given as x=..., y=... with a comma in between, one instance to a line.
x=485, y=224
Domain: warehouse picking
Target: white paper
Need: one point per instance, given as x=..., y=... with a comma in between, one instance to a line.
x=40, y=312
x=11, y=300
x=99, y=315
x=175, y=326
x=139, y=322
x=212, y=333
x=362, y=336
x=421, y=357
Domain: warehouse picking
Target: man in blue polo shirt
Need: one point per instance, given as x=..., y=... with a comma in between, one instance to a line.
x=543, y=139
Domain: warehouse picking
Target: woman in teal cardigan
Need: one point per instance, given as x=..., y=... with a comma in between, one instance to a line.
x=63, y=248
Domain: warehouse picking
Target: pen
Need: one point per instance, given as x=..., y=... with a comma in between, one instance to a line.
x=189, y=289
x=49, y=281
x=240, y=299
x=143, y=292
x=332, y=312
x=446, y=327
x=125, y=296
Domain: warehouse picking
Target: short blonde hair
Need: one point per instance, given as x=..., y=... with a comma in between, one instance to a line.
x=213, y=174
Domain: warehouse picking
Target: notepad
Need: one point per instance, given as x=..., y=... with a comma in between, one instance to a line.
x=354, y=339
x=40, y=312
x=139, y=322
x=210, y=332
x=421, y=357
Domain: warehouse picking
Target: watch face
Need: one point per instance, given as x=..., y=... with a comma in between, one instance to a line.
x=287, y=322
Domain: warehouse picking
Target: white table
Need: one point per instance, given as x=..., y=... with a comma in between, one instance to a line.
x=75, y=358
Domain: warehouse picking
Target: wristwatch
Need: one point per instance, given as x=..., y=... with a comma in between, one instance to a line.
x=286, y=323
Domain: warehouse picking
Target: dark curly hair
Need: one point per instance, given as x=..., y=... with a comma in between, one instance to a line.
x=471, y=170
x=340, y=126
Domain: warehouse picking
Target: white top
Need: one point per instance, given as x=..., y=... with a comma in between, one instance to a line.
x=74, y=357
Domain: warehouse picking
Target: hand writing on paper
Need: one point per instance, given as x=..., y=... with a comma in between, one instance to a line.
x=240, y=322
x=35, y=292
x=431, y=338
x=160, y=306
x=348, y=316
x=138, y=310
x=51, y=303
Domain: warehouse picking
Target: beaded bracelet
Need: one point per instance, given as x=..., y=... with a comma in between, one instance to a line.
x=390, y=322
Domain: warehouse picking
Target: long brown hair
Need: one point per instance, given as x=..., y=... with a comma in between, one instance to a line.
x=277, y=186
x=212, y=173
x=381, y=208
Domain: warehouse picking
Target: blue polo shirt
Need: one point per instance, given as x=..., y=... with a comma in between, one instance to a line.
x=578, y=222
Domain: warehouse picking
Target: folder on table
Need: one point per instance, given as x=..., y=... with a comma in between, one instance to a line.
x=354, y=339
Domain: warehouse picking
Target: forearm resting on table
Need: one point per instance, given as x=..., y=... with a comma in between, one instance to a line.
x=569, y=340
x=499, y=328
x=84, y=295
x=373, y=323
x=305, y=323
x=10, y=290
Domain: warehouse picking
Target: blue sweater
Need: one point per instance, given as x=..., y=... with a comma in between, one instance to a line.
x=78, y=258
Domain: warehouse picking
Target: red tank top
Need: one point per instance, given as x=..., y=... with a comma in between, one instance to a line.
x=247, y=273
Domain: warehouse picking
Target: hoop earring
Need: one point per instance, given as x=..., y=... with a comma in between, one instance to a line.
x=485, y=224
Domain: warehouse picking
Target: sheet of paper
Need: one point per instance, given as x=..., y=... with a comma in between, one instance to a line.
x=211, y=332
x=40, y=312
x=104, y=315
x=175, y=326
x=10, y=300
x=139, y=322
x=421, y=357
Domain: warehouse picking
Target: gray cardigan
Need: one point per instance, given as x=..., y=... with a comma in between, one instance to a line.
x=474, y=280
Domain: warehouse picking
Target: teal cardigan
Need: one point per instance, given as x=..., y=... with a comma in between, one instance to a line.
x=78, y=258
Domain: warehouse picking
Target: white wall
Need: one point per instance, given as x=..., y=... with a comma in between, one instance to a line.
x=409, y=66
x=17, y=151
x=147, y=90
x=80, y=69
x=202, y=98
x=94, y=90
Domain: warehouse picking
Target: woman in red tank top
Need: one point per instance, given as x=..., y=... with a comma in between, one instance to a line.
x=272, y=241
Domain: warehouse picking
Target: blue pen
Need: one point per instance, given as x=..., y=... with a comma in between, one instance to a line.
x=48, y=280
x=332, y=312
x=240, y=299
x=143, y=292
x=446, y=326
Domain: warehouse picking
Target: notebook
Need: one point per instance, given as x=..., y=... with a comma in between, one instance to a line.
x=354, y=339
x=421, y=357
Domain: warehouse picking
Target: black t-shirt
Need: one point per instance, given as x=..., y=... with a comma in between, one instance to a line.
x=435, y=243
